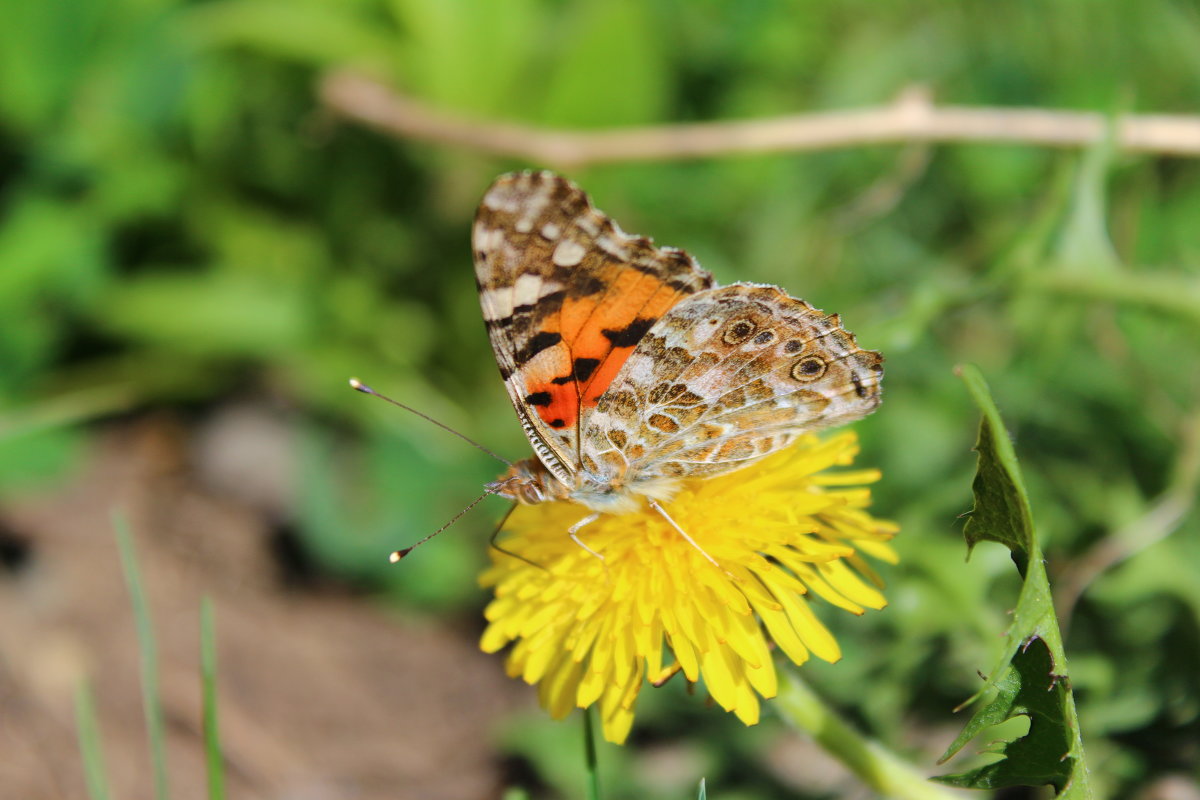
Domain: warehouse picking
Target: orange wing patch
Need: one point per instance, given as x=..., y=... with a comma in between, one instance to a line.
x=598, y=336
x=566, y=296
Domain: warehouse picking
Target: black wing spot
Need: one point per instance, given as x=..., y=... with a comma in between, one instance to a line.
x=808, y=368
x=557, y=423
x=631, y=334
x=859, y=389
x=584, y=367
x=546, y=304
x=739, y=331
x=578, y=284
x=538, y=399
x=580, y=371
x=537, y=344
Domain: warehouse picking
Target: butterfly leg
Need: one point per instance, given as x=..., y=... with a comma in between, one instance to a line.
x=571, y=531
x=663, y=512
x=493, y=541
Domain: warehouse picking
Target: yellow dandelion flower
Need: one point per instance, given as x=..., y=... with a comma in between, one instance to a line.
x=591, y=631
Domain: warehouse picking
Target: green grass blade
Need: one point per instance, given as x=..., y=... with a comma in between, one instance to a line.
x=208, y=673
x=65, y=409
x=89, y=744
x=589, y=755
x=151, y=700
x=703, y=792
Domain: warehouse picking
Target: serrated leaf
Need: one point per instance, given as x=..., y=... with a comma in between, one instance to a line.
x=1029, y=687
x=1001, y=513
x=1031, y=679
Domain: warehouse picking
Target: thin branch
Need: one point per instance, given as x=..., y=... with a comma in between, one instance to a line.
x=912, y=117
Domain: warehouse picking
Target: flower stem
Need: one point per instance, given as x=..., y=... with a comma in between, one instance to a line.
x=877, y=767
x=589, y=754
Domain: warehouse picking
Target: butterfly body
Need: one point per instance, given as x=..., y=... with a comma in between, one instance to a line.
x=629, y=369
x=529, y=482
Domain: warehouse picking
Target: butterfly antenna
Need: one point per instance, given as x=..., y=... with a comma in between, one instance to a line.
x=358, y=385
x=399, y=554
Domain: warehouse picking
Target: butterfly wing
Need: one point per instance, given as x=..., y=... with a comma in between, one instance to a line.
x=566, y=297
x=725, y=378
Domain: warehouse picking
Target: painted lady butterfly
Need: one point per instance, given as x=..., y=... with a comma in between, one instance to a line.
x=630, y=369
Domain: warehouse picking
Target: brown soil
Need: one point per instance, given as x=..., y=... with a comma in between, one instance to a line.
x=322, y=694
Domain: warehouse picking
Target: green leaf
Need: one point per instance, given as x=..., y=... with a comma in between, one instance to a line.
x=208, y=314
x=470, y=56
x=1029, y=687
x=1084, y=243
x=1001, y=513
x=316, y=33
x=609, y=68
x=45, y=50
x=1159, y=291
x=63, y=410
x=1031, y=679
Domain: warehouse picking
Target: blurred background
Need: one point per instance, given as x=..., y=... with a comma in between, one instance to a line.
x=195, y=255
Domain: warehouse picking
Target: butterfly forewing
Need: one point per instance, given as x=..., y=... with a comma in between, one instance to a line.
x=566, y=296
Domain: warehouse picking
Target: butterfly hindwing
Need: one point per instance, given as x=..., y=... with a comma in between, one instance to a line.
x=727, y=377
x=566, y=296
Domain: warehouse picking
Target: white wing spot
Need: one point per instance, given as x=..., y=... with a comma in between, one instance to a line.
x=568, y=253
x=523, y=225
x=497, y=303
x=550, y=231
x=498, y=200
x=613, y=248
x=488, y=238
x=525, y=290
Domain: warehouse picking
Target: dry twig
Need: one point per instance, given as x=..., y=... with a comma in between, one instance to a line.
x=912, y=117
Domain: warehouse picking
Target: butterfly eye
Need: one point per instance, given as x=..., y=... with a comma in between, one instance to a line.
x=739, y=331
x=808, y=369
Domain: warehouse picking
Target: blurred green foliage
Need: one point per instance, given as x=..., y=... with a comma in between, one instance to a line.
x=182, y=225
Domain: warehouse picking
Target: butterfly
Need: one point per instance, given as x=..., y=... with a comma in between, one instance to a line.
x=630, y=370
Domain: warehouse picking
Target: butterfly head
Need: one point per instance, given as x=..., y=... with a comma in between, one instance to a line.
x=528, y=482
